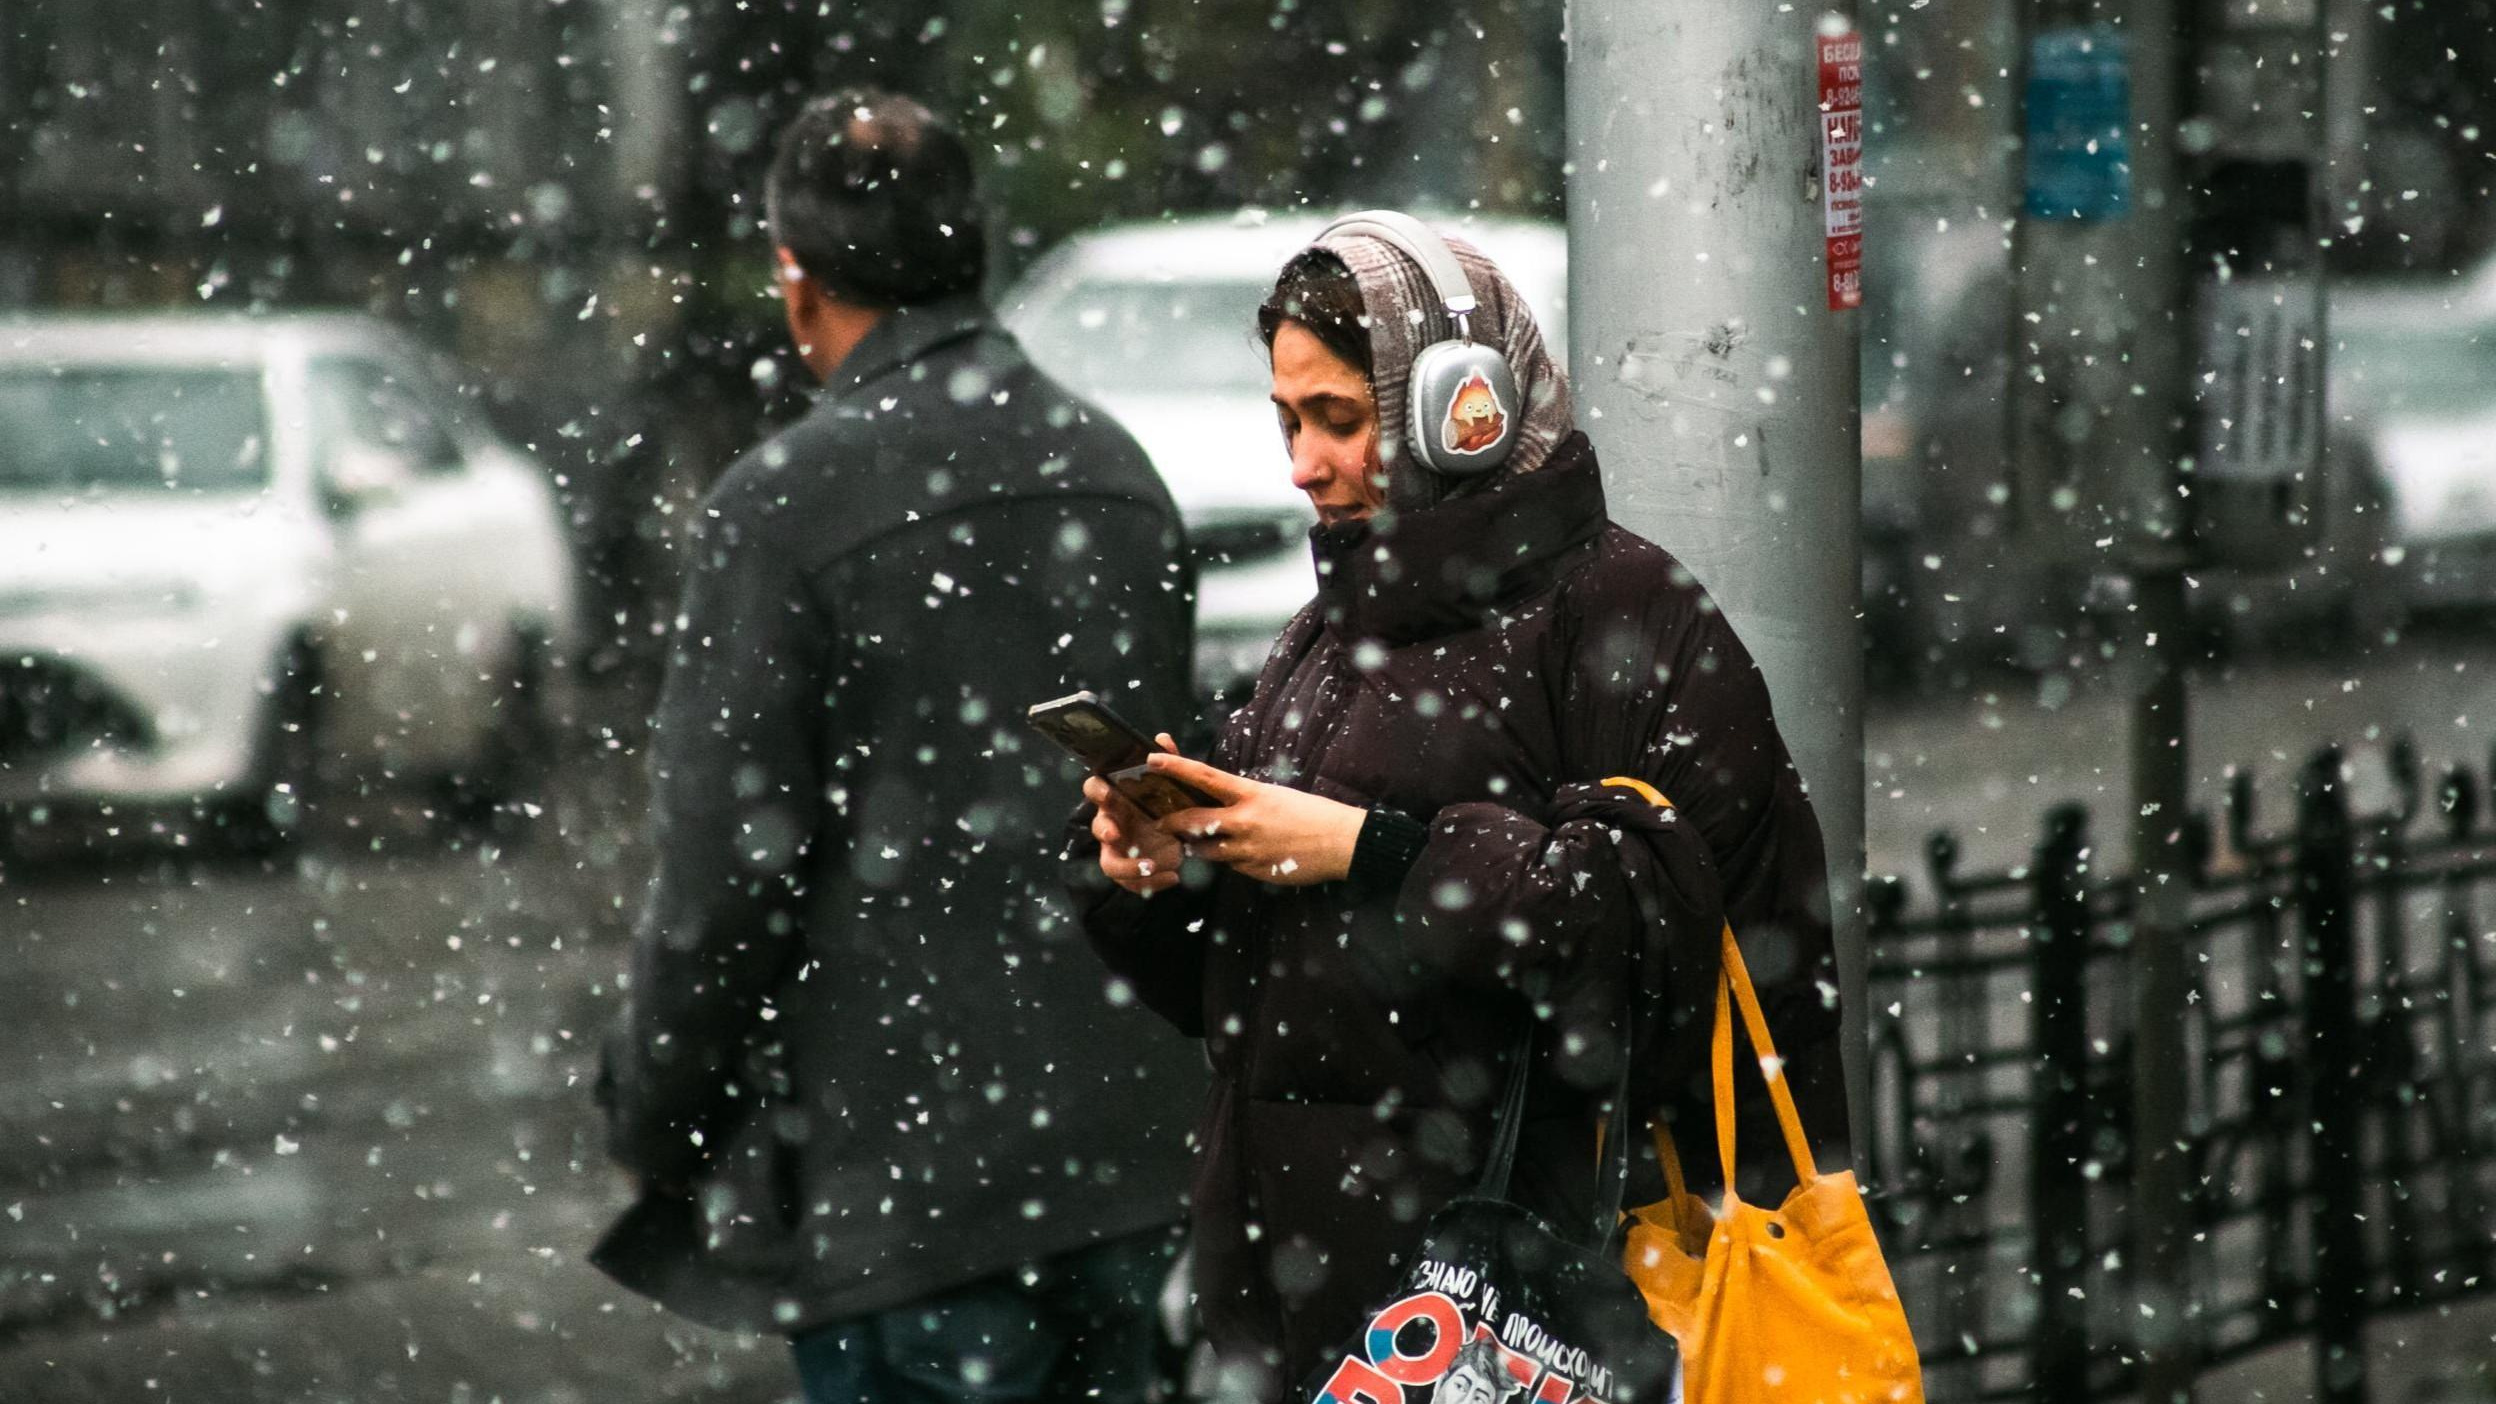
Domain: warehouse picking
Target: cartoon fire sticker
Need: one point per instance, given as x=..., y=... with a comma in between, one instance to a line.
x=1475, y=419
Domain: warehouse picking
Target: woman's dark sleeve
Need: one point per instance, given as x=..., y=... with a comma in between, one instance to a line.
x=1157, y=943
x=1563, y=907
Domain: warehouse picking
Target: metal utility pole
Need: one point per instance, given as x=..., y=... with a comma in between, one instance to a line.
x=1714, y=233
x=2167, y=386
x=2099, y=356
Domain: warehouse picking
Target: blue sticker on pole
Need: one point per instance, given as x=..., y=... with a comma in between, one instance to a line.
x=2079, y=124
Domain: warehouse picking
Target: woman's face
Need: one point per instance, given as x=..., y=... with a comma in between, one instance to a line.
x=1330, y=426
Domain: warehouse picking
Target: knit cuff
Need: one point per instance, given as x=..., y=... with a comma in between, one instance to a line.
x=1389, y=844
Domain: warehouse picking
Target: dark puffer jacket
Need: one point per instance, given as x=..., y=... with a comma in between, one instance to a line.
x=1483, y=664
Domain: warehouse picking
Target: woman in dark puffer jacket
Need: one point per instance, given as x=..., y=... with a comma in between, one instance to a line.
x=1417, y=857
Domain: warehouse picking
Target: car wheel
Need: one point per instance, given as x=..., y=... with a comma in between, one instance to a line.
x=272, y=812
x=513, y=758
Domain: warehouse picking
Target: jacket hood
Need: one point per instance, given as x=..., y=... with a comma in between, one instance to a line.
x=1411, y=575
x=1405, y=316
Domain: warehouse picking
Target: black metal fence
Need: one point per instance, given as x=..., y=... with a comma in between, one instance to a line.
x=2340, y=1090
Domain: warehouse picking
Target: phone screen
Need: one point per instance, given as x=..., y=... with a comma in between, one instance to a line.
x=1092, y=733
x=1111, y=747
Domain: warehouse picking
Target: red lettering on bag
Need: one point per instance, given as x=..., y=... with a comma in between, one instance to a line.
x=1447, y=1332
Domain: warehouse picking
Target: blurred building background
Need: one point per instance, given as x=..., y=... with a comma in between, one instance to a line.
x=564, y=192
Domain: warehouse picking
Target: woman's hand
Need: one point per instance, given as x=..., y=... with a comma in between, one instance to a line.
x=1272, y=833
x=1136, y=853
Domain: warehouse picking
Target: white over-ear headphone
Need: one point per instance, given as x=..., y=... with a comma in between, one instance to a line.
x=1461, y=408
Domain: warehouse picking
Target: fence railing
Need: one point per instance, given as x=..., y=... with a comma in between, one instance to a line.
x=2340, y=1091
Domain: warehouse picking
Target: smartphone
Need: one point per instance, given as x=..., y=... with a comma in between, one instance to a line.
x=1110, y=747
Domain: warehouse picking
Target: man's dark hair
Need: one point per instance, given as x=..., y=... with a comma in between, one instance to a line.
x=873, y=194
x=1319, y=293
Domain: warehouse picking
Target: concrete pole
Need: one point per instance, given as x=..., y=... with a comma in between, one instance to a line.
x=1714, y=378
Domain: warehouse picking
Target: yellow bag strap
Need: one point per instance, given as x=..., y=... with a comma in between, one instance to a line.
x=1736, y=983
x=1675, y=1187
x=1645, y=791
x=1733, y=985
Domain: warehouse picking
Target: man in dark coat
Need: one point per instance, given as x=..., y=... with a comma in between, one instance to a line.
x=877, y=1093
x=1422, y=849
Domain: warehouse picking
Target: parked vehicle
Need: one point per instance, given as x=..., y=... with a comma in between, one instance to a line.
x=2408, y=486
x=1943, y=578
x=1156, y=323
x=2409, y=499
x=233, y=552
x=2413, y=382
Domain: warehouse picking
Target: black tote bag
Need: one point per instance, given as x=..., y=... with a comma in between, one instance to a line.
x=1496, y=1306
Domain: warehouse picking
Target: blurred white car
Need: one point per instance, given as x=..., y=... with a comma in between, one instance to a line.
x=231, y=550
x=1156, y=323
x=2413, y=383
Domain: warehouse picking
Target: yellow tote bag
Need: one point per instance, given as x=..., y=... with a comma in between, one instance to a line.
x=1786, y=1306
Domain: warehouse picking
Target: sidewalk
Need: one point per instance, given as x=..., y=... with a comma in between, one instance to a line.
x=512, y=1329
x=2441, y=1355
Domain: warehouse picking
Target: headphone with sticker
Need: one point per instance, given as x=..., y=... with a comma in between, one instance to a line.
x=1461, y=409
